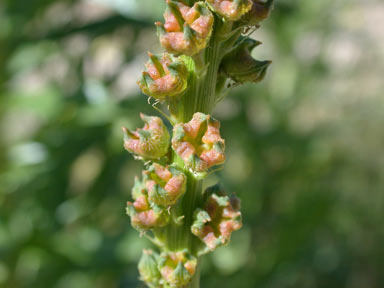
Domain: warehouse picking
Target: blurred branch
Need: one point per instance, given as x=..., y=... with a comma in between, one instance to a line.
x=102, y=26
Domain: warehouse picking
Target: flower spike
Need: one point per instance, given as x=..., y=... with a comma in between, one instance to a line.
x=205, y=50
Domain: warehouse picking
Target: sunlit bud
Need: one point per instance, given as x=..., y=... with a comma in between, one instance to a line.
x=164, y=76
x=187, y=29
x=231, y=10
x=177, y=268
x=217, y=220
x=259, y=12
x=148, y=269
x=241, y=67
x=145, y=215
x=165, y=184
x=145, y=219
x=199, y=143
x=149, y=142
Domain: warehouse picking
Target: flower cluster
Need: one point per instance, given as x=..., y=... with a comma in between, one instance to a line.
x=145, y=215
x=169, y=269
x=199, y=143
x=150, y=142
x=165, y=76
x=160, y=188
x=149, y=272
x=231, y=10
x=187, y=29
x=165, y=184
x=177, y=268
x=217, y=219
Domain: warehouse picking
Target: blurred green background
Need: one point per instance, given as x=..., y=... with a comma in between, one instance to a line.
x=305, y=147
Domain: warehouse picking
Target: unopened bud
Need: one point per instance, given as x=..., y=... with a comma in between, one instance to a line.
x=241, y=67
x=145, y=215
x=187, y=29
x=217, y=220
x=199, y=143
x=165, y=76
x=148, y=269
x=177, y=268
x=165, y=185
x=231, y=10
x=149, y=142
x=259, y=12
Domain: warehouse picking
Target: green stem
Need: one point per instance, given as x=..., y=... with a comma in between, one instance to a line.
x=201, y=97
x=196, y=279
x=204, y=69
x=207, y=92
x=179, y=236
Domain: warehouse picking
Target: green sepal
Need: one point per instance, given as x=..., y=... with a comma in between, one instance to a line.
x=180, y=275
x=173, y=7
x=148, y=269
x=239, y=64
x=155, y=59
x=201, y=217
x=188, y=33
x=160, y=29
x=137, y=189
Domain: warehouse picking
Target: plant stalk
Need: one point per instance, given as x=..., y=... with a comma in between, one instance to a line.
x=200, y=97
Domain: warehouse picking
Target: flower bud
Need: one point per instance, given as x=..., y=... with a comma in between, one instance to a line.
x=177, y=268
x=241, y=67
x=187, y=29
x=149, y=272
x=231, y=10
x=165, y=185
x=199, y=143
x=150, y=142
x=164, y=76
x=217, y=220
x=145, y=215
x=259, y=12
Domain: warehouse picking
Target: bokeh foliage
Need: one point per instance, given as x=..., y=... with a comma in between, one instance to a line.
x=304, y=147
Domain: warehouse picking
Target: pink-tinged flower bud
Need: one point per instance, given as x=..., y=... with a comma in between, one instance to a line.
x=241, y=67
x=187, y=29
x=149, y=272
x=217, y=220
x=177, y=268
x=259, y=12
x=145, y=215
x=150, y=142
x=231, y=10
x=199, y=143
x=164, y=76
x=165, y=184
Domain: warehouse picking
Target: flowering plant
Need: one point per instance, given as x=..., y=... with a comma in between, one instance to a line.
x=206, y=53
